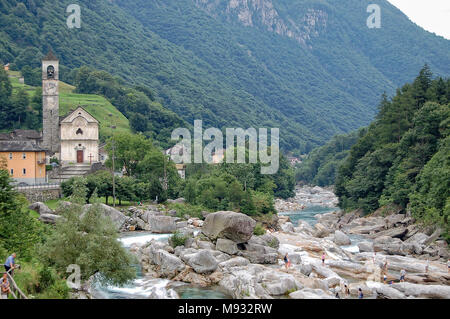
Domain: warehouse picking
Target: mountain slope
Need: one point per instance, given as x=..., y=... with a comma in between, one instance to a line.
x=314, y=69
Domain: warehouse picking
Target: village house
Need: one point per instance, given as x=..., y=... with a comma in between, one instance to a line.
x=25, y=161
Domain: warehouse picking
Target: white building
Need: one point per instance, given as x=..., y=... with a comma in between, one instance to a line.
x=79, y=138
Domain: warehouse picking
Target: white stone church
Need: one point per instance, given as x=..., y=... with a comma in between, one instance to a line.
x=73, y=139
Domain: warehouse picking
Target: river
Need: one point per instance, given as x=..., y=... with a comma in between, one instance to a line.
x=144, y=287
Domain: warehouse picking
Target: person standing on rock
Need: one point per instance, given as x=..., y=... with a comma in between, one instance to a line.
x=402, y=275
x=360, y=294
x=323, y=259
x=346, y=290
x=287, y=262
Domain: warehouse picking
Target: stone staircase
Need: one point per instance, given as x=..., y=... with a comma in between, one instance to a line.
x=67, y=172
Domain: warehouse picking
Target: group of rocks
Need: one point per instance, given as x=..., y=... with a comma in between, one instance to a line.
x=307, y=196
x=227, y=254
x=394, y=234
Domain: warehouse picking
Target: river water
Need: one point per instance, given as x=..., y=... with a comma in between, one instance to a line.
x=144, y=287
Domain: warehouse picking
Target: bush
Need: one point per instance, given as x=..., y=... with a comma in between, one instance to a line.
x=259, y=230
x=178, y=239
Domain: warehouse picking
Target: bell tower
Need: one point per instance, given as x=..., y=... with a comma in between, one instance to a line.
x=50, y=103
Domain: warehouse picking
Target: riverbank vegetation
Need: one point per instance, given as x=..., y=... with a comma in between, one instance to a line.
x=44, y=252
x=403, y=158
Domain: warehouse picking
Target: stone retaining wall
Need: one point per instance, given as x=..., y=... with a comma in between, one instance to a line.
x=40, y=195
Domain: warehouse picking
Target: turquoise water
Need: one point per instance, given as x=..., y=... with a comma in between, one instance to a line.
x=144, y=287
x=308, y=214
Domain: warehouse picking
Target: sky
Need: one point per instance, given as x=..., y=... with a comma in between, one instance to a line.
x=432, y=15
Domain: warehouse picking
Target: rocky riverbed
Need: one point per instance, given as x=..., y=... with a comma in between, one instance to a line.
x=220, y=253
x=306, y=196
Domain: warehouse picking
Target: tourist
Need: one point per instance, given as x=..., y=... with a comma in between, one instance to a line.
x=347, y=290
x=337, y=296
x=360, y=294
x=385, y=266
x=4, y=286
x=10, y=264
x=402, y=275
x=323, y=259
x=287, y=262
x=384, y=278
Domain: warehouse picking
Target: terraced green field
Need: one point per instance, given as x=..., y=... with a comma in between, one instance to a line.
x=96, y=105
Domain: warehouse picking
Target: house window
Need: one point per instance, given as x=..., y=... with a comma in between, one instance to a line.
x=10, y=156
x=24, y=171
x=24, y=155
x=12, y=171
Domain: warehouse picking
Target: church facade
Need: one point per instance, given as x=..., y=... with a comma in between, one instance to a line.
x=79, y=138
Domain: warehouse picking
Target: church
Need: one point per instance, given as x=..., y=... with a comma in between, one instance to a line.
x=72, y=139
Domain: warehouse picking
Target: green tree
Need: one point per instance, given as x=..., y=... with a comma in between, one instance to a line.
x=87, y=238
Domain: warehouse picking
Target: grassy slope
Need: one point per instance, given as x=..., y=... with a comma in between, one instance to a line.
x=96, y=105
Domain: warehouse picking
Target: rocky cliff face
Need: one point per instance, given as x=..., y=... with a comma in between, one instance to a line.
x=264, y=14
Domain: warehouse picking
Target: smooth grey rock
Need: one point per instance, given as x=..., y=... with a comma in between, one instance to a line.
x=365, y=246
x=308, y=293
x=169, y=265
x=162, y=224
x=234, y=262
x=118, y=218
x=341, y=239
x=41, y=208
x=230, y=225
x=287, y=227
x=423, y=291
x=227, y=246
x=203, y=262
x=49, y=218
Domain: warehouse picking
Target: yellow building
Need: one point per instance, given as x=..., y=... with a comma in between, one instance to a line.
x=25, y=161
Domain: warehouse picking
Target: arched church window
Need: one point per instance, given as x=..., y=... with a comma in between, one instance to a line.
x=80, y=131
x=50, y=72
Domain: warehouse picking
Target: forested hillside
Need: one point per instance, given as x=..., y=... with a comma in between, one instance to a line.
x=321, y=165
x=315, y=70
x=404, y=158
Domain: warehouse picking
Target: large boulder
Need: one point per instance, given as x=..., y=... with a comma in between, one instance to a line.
x=308, y=293
x=162, y=224
x=295, y=258
x=365, y=247
x=234, y=262
x=227, y=246
x=203, y=262
x=169, y=265
x=265, y=240
x=341, y=239
x=41, y=208
x=118, y=218
x=288, y=227
x=321, y=230
x=49, y=218
x=230, y=225
x=423, y=291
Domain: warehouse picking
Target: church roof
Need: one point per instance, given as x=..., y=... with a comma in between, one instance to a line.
x=80, y=111
x=20, y=146
x=50, y=56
